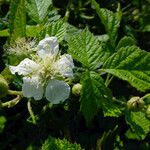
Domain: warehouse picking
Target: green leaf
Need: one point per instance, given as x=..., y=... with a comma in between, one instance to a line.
x=71, y=30
x=90, y=94
x=38, y=9
x=126, y=41
x=4, y=33
x=110, y=20
x=95, y=95
x=57, y=29
x=32, y=30
x=17, y=19
x=130, y=64
x=86, y=49
x=58, y=144
x=2, y=123
x=140, y=125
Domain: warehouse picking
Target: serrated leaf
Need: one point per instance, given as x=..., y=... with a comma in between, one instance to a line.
x=57, y=29
x=130, y=64
x=95, y=95
x=32, y=30
x=71, y=30
x=110, y=20
x=86, y=49
x=52, y=143
x=17, y=19
x=126, y=41
x=37, y=9
x=88, y=97
x=140, y=125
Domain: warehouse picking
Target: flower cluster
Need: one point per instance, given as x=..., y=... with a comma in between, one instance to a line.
x=44, y=76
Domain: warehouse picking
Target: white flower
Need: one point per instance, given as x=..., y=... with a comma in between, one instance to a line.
x=64, y=65
x=48, y=47
x=26, y=67
x=42, y=78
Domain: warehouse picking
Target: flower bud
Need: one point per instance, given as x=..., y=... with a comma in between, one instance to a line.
x=76, y=89
x=148, y=112
x=135, y=104
x=3, y=87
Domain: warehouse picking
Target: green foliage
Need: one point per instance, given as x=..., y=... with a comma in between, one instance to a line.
x=57, y=144
x=32, y=30
x=4, y=33
x=140, y=125
x=3, y=87
x=85, y=48
x=58, y=29
x=98, y=59
x=130, y=64
x=126, y=41
x=17, y=19
x=110, y=20
x=96, y=95
x=2, y=123
x=38, y=9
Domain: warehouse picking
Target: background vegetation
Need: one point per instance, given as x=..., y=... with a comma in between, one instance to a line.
x=20, y=18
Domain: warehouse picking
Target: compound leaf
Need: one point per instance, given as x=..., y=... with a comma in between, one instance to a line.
x=126, y=41
x=37, y=9
x=86, y=49
x=95, y=95
x=17, y=19
x=130, y=64
x=140, y=125
x=57, y=29
x=110, y=20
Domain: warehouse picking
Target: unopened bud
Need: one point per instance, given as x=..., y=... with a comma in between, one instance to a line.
x=76, y=89
x=135, y=104
x=3, y=87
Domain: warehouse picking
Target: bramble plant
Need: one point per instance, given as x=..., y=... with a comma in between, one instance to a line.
x=44, y=61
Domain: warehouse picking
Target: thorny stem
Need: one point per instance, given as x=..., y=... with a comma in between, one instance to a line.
x=31, y=112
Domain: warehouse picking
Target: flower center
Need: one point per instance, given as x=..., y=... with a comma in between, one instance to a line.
x=47, y=71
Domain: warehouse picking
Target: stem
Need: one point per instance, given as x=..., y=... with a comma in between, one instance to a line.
x=12, y=102
x=118, y=101
x=66, y=17
x=145, y=96
x=31, y=112
x=11, y=92
x=108, y=79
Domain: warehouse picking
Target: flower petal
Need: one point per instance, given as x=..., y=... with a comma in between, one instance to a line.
x=32, y=88
x=57, y=91
x=65, y=65
x=25, y=67
x=48, y=47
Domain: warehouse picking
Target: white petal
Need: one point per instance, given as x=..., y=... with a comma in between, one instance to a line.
x=32, y=88
x=65, y=65
x=57, y=91
x=25, y=67
x=48, y=47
